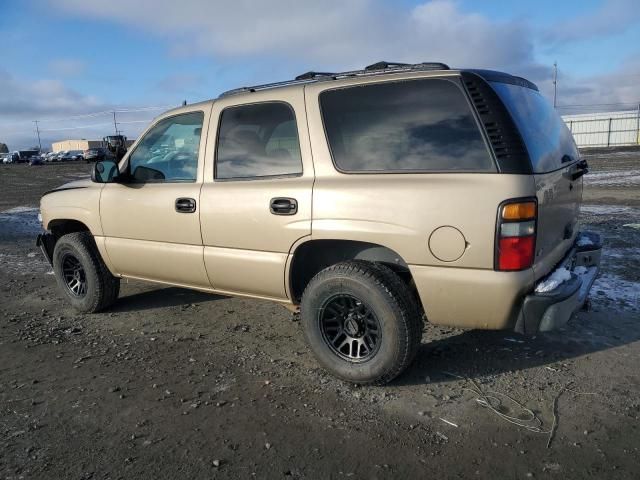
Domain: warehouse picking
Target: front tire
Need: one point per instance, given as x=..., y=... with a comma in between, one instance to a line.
x=82, y=275
x=361, y=322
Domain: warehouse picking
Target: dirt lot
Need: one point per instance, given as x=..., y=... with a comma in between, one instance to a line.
x=177, y=384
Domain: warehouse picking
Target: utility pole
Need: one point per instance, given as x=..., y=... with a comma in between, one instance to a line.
x=115, y=124
x=38, y=132
x=638, y=126
x=555, y=83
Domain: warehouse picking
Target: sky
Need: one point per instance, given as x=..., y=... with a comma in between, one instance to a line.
x=70, y=63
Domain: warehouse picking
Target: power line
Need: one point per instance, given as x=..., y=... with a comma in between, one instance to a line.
x=587, y=105
x=107, y=112
x=97, y=114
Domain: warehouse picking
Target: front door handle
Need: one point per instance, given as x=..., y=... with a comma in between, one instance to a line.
x=283, y=206
x=185, y=205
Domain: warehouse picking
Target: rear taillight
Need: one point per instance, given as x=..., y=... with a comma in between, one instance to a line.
x=516, y=235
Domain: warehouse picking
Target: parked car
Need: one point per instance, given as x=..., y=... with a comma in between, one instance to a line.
x=35, y=160
x=22, y=156
x=50, y=157
x=3, y=157
x=369, y=200
x=95, y=154
x=70, y=155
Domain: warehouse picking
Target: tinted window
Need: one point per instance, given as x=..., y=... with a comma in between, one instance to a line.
x=169, y=151
x=419, y=125
x=544, y=133
x=258, y=140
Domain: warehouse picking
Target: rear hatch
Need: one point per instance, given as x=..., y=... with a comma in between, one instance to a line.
x=556, y=172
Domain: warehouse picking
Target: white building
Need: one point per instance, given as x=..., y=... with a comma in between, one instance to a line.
x=606, y=129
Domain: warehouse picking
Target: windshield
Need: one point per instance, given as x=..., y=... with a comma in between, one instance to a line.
x=545, y=134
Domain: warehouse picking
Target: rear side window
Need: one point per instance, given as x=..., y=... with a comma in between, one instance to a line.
x=410, y=126
x=258, y=140
x=546, y=136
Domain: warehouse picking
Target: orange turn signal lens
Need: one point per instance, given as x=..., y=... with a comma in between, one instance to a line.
x=519, y=211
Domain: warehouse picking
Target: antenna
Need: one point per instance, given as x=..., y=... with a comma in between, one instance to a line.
x=38, y=131
x=555, y=83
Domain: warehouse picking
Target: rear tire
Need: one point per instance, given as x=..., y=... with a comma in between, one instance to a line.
x=82, y=275
x=361, y=322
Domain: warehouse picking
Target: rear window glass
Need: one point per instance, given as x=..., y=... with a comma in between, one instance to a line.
x=544, y=133
x=409, y=126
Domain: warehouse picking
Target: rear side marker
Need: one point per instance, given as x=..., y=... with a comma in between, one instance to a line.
x=516, y=235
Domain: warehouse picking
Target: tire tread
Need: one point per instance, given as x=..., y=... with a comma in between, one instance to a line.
x=400, y=299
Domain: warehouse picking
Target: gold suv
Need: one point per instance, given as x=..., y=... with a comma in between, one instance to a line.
x=370, y=199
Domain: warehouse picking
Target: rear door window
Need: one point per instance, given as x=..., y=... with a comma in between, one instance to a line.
x=258, y=140
x=409, y=126
x=545, y=135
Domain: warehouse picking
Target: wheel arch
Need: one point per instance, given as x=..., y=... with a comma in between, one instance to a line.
x=63, y=226
x=312, y=256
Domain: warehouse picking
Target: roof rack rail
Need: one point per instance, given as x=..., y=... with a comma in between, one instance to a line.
x=312, y=74
x=373, y=69
x=384, y=65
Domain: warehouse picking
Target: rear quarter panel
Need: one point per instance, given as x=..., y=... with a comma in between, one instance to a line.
x=559, y=199
x=400, y=211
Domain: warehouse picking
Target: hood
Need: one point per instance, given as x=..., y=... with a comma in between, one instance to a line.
x=84, y=183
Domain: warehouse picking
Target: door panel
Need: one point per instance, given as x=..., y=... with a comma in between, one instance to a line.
x=236, y=270
x=245, y=244
x=146, y=237
x=147, y=234
x=159, y=261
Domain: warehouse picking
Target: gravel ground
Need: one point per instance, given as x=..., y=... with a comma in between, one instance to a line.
x=171, y=383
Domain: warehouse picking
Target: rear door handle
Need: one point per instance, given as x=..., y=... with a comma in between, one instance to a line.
x=185, y=205
x=283, y=206
x=582, y=167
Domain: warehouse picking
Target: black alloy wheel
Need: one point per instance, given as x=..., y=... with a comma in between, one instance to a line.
x=350, y=328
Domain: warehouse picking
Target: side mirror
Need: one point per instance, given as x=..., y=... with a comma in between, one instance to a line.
x=105, y=171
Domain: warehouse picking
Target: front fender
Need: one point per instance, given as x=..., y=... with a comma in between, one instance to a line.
x=78, y=204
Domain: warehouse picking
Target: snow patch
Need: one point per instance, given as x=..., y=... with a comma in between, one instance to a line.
x=554, y=280
x=607, y=210
x=22, y=209
x=612, y=288
x=584, y=241
x=580, y=270
x=20, y=221
x=614, y=178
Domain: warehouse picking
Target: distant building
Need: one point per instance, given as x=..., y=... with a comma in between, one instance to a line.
x=4, y=148
x=81, y=144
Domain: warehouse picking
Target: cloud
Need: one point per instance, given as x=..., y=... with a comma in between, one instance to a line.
x=613, y=90
x=62, y=113
x=329, y=33
x=180, y=83
x=30, y=99
x=67, y=67
x=613, y=17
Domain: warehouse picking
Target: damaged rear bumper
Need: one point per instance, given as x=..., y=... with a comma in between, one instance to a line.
x=545, y=311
